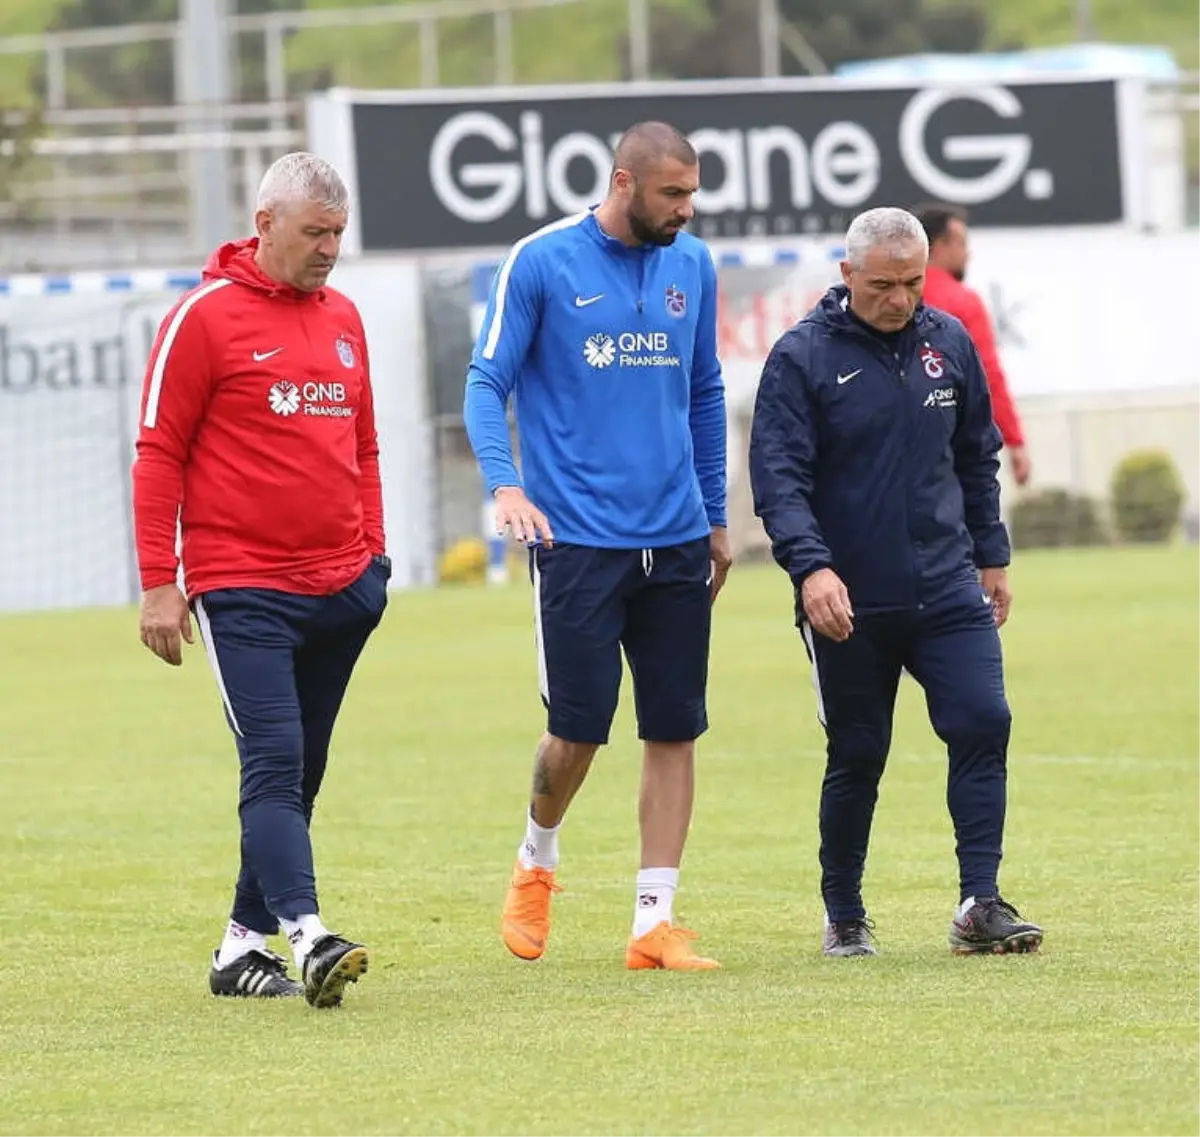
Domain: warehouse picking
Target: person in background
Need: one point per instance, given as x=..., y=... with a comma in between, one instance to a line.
x=946, y=228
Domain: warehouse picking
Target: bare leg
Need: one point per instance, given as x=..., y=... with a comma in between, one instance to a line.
x=665, y=807
x=558, y=772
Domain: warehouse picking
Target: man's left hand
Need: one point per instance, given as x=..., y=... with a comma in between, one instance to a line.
x=721, y=552
x=995, y=584
x=1022, y=467
x=165, y=621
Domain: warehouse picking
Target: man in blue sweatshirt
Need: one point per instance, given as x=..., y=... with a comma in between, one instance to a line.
x=873, y=461
x=602, y=326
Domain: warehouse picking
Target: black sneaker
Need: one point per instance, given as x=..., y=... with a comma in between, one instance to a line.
x=849, y=937
x=259, y=974
x=992, y=926
x=332, y=963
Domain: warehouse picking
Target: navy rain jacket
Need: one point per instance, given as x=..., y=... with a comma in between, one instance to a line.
x=876, y=456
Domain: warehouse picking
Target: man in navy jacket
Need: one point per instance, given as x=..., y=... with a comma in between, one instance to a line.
x=873, y=462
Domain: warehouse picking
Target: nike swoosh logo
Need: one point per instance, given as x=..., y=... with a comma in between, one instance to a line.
x=846, y=378
x=580, y=302
x=259, y=356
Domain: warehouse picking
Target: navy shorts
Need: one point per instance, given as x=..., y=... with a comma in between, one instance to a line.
x=589, y=603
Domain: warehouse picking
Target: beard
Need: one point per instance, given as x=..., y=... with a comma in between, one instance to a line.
x=649, y=234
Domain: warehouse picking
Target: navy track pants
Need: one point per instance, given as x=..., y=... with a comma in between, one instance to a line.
x=951, y=647
x=282, y=662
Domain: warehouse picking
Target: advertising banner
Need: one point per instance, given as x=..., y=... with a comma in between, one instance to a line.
x=450, y=170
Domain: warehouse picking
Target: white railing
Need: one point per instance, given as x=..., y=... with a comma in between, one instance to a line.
x=274, y=28
x=775, y=35
x=118, y=170
x=206, y=148
x=175, y=114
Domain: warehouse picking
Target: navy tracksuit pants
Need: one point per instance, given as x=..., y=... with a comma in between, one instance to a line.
x=282, y=663
x=952, y=649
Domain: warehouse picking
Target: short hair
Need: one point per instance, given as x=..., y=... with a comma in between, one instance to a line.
x=646, y=144
x=935, y=219
x=302, y=177
x=886, y=227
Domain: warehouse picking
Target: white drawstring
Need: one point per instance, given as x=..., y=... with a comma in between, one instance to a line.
x=647, y=561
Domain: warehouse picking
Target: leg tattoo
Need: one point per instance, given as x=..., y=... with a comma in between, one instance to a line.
x=541, y=774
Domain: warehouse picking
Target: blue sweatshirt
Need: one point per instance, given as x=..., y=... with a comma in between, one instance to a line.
x=610, y=353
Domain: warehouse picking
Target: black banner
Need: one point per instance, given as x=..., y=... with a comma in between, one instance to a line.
x=773, y=162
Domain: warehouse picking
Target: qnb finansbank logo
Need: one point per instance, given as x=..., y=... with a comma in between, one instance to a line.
x=629, y=349
x=324, y=400
x=941, y=398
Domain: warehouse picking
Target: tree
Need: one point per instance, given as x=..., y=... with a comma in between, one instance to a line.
x=18, y=130
x=720, y=39
x=144, y=73
x=128, y=75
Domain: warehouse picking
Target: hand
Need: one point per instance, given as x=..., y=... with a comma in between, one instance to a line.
x=514, y=510
x=827, y=605
x=995, y=584
x=164, y=620
x=721, y=551
x=1022, y=467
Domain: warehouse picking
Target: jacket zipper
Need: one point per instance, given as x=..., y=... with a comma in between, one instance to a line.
x=301, y=312
x=901, y=374
x=910, y=425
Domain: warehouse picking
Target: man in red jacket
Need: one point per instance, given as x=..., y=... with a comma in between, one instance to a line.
x=946, y=228
x=257, y=440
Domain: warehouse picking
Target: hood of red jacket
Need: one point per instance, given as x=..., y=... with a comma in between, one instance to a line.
x=235, y=261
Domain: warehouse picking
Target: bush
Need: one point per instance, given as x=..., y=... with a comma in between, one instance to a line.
x=465, y=562
x=1055, y=519
x=1147, y=496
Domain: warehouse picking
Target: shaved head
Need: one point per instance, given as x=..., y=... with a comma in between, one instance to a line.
x=655, y=175
x=646, y=146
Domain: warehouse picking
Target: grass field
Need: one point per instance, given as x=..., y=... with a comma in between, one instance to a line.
x=118, y=842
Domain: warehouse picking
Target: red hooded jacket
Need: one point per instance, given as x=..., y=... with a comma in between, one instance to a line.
x=257, y=438
x=950, y=295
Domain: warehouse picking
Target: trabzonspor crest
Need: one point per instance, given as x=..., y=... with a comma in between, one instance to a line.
x=345, y=352
x=933, y=361
x=676, y=301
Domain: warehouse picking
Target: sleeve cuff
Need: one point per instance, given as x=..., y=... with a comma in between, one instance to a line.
x=798, y=578
x=505, y=479
x=994, y=555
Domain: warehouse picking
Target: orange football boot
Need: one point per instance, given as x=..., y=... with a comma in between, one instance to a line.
x=666, y=946
x=525, y=924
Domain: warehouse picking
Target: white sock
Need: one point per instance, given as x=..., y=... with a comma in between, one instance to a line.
x=966, y=906
x=302, y=933
x=239, y=941
x=540, y=847
x=655, y=894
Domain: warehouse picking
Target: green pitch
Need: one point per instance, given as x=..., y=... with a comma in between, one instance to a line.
x=118, y=844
